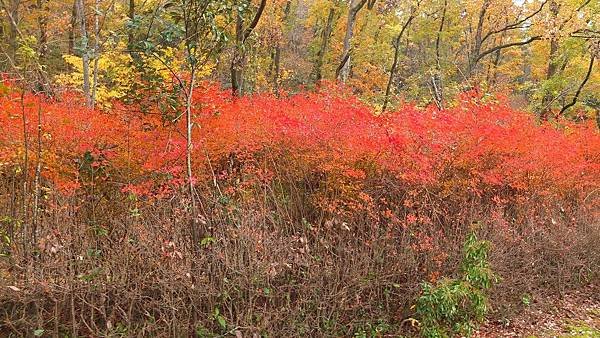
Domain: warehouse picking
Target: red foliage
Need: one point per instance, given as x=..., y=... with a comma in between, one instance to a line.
x=474, y=148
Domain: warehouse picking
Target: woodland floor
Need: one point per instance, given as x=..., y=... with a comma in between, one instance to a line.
x=575, y=314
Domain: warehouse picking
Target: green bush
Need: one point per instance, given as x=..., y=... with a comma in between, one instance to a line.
x=455, y=306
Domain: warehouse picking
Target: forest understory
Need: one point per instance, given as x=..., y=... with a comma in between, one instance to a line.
x=310, y=216
x=299, y=168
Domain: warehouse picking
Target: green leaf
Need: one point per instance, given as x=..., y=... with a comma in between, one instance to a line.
x=222, y=322
x=206, y=241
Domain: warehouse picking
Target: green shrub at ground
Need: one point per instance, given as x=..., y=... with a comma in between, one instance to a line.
x=454, y=306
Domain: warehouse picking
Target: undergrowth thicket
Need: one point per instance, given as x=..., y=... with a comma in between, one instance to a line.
x=320, y=217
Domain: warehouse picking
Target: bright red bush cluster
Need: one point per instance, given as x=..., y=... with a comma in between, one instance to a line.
x=472, y=148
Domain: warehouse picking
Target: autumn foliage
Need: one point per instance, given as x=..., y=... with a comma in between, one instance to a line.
x=315, y=206
x=477, y=147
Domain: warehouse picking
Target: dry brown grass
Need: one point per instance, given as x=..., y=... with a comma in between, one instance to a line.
x=106, y=265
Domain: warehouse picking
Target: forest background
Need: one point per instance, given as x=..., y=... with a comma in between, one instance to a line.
x=295, y=167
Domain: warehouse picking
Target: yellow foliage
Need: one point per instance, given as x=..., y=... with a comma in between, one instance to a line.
x=116, y=75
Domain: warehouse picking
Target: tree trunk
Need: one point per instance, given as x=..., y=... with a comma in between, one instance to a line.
x=276, y=68
x=131, y=16
x=73, y=23
x=43, y=9
x=396, y=45
x=13, y=13
x=344, y=68
x=84, y=53
x=324, y=44
x=96, y=52
x=188, y=154
x=239, y=54
x=277, y=52
x=237, y=58
x=388, y=88
x=552, y=66
x=24, y=216
x=436, y=79
x=580, y=88
x=38, y=174
x=493, y=79
x=478, y=40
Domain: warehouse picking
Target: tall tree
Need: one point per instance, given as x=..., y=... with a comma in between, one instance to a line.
x=202, y=39
x=482, y=35
x=239, y=54
x=580, y=88
x=565, y=21
x=43, y=13
x=96, y=52
x=85, y=53
x=11, y=9
x=72, y=27
x=343, y=70
x=396, y=45
x=552, y=66
x=131, y=16
x=325, y=36
x=277, y=50
x=436, y=79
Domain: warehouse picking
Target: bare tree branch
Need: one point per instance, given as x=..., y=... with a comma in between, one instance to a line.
x=515, y=25
x=578, y=92
x=507, y=45
x=586, y=33
x=254, y=22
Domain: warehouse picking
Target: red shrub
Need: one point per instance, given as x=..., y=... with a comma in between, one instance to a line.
x=472, y=148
